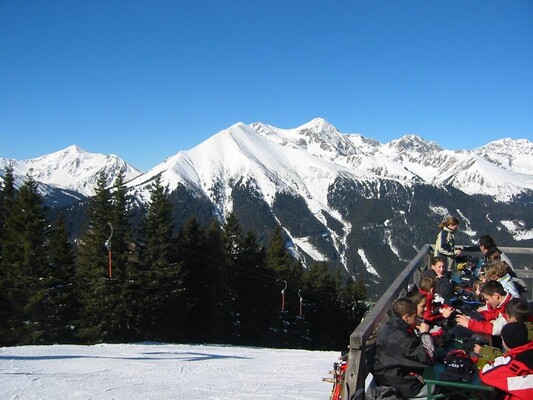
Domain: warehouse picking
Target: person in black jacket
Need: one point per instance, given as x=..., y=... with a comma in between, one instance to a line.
x=402, y=354
x=437, y=271
x=487, y=247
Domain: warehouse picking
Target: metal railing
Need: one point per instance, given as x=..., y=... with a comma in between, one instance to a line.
x=357, y=369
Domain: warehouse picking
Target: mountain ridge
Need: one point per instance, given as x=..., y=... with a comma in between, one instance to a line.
x=340, y=198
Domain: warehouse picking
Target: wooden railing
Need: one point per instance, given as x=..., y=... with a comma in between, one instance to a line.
x=363, y=335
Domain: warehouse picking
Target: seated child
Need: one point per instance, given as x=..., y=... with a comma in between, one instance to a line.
x=520, y=311
x=513, y=371
x=499, y=271
x=434, y=311
x=401, y=355
x=443, y=286
x=517, y=310
x=494, y=317
x=420, y=300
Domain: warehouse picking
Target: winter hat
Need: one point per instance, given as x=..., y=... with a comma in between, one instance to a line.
x=515, y=334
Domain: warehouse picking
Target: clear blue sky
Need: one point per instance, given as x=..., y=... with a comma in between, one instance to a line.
x=146, y=79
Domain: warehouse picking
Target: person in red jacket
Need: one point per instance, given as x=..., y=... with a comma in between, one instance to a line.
x=433, y=312
x=494, y=316
x=512, y=372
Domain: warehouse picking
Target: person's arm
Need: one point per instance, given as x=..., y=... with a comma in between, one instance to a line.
x=498, y=324
x=470, y=248
x=474, y=325
x=419, y=349
x=494, y=374
x=480, y=326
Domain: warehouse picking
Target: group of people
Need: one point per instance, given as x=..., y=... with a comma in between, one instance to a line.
x=485, y=310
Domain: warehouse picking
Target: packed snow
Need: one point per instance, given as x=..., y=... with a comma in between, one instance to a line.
x=163, y=371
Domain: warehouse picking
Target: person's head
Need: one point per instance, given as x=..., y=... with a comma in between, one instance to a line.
x=420, y=300
x=451, y=223
x=514, y=334
x=486, y=243
x=493, y=293
x=438, y=265
x=493, y=255
x=405, y=309
x=517, y=310
x=496, y=270
x=427, y=284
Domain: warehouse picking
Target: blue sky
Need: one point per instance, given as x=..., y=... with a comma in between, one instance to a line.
x=146, y=79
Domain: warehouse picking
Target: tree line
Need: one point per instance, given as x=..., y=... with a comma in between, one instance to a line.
x=195, y=284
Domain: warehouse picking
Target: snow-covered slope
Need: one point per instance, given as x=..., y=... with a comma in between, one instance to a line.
x=307, y=160
x=163, y=371
x=71, y=168
x=319, y=183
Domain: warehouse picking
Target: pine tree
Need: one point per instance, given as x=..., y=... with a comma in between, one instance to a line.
x=321, y=307
x=278, y=259
x=7, y=198
x=195, y=268
x=123, y=266
x=62, y=289
x=160, y=283
x=351, y=296
x=216, y=288
x=253, y=293
x=28, y=274
x=94, y=283
x=257, y=293
x=289, y=327
x=233, y=247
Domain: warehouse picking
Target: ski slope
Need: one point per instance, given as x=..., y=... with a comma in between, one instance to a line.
x=162, y=371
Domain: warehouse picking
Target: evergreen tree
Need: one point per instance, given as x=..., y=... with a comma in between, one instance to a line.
x=62, y=289
x=205, y=280
x=257, y=295
x=190, y=254
x=160, y=282
x=289, y=328
x=124, y=268
x=278, y=259
x=351, y=307
x=28, y=274
x=253, y=290
x=7, y=198
x=321, y=307
x=95, y=292
x=233, y=247
x=216, y=288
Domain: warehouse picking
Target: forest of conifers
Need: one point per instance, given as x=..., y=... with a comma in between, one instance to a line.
x=195, y=284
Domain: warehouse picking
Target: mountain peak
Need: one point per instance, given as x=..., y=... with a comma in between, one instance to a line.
x=318, y=125
x=74, y=149
x=412, y=142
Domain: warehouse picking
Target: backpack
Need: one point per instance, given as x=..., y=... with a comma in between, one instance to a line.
x=459, y=367
x=487, y=354
x=383, y=393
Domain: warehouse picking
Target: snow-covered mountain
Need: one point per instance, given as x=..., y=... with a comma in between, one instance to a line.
x=309, y=157
x=72, y=169
x=339, y=197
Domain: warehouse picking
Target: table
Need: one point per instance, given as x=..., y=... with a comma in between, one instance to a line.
x=473, y=390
